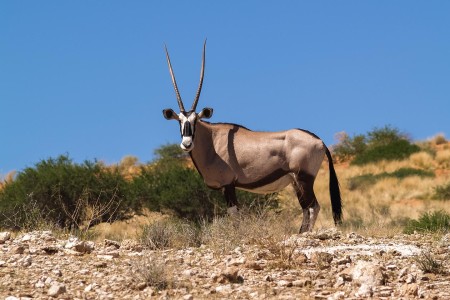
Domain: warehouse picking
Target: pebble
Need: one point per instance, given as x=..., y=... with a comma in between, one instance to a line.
x=4, y=236
x=56, y=289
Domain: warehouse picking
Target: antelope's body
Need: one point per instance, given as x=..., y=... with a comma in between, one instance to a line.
x=229, y=156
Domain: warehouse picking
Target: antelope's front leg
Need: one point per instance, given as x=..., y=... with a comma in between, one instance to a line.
x=229, y=192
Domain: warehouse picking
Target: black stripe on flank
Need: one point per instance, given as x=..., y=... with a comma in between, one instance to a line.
x=272, y=177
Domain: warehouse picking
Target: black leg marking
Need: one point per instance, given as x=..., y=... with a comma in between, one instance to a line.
x=230, y=195
x=304, y=188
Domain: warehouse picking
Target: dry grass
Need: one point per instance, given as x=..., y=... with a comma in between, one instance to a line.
x=247, y=228
x=379, y=209
x=170, y=233
x=383, y=208
x=126, y=229
x=443, y=159
x=152, y=271
x=9, y=177
x=422, y=160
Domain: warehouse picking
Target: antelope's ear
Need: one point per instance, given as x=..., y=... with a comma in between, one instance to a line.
x=206, y=113
x=169, y=114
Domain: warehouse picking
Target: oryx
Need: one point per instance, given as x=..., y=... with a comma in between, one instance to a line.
x=230, y=156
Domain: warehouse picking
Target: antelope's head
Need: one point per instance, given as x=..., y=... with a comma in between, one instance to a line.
x=187, y=119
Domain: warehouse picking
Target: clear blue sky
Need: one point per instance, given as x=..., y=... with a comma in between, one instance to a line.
x=89, y=78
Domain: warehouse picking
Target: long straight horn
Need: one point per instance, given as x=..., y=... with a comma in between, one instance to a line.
x=202, y=72
x=180, y=102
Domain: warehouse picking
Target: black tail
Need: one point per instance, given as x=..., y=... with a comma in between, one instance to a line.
x=335, y=193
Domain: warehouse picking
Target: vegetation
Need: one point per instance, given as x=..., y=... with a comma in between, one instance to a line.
x=428, y=264
x=437, y=221
x=385, y=143
x=78, y=196
x=380, y=198
x=153, y=272
x=362, y=181
x=442, y=192
x=65, y=194
x=170, y=233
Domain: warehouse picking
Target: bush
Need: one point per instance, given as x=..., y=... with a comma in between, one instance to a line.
x=369, y=179
x=66, y=194
x=153, y=272
x=80, y=195
x=437, y=221
x=428, y=264
x=385, y=143
x=442, y=192
x=170, y=233
x=348, y=147
x=396, y=150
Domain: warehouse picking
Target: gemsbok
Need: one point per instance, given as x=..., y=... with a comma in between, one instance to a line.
x=230, y=156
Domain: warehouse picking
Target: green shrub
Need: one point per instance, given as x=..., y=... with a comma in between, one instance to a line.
x=369, y=179
x=349, y=147
x=386, y=143
x=437, y=221
x=80, y=195
x=66, y=194
x=428, y=264
x=442, y=192
x=396, y=150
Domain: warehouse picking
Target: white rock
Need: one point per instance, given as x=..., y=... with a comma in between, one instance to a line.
x=83, y=272
x=26, y=238
x=365, y=291
x=84, y=247
x=39, y=284
x=25, y=261
x=189, y=272
x=48, y=281
x=284, y=283
x=88, y=288
x=56, y=289
x=4, y=236
x=236, y=261
x=226, y=289
x=105, y=257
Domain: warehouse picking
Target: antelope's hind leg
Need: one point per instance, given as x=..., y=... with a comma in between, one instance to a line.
x=303, y=185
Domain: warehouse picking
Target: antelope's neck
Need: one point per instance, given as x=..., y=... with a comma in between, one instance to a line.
x=203, y=145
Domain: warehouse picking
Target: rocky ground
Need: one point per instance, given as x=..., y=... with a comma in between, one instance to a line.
x=320, y=265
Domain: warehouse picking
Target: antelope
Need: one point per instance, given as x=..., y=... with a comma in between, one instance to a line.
x=230, y=156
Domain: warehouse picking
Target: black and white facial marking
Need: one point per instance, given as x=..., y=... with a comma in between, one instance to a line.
x=187, y=129
x=187, y=122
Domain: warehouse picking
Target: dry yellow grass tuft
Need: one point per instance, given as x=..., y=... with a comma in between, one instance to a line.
x=422, y=160
x=443, y=159
x=126, y=229
x=9, y=177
